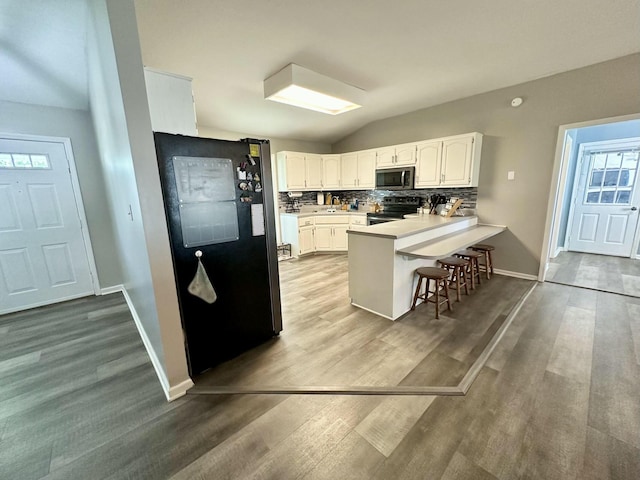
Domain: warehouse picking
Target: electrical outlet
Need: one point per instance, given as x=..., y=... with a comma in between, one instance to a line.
x=511, y=175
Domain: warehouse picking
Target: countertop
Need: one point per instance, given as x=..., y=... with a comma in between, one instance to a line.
x=453, y=242
x=405, y=228
x=323, y=211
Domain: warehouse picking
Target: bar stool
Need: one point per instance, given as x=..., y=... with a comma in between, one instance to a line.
x=440, y=277
x=487, y=266
x=457, y=267
x=474, y=272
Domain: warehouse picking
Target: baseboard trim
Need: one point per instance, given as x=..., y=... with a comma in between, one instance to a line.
x=508, y=273
x=179, y=390
x=112, y=289
x=171, y=393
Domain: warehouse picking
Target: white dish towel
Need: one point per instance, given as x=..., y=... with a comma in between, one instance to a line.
x=201, y=286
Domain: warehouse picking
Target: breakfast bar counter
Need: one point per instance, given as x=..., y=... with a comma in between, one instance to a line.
x=384, y=257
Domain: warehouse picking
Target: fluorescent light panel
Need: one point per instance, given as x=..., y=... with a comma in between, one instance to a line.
x=301, y=87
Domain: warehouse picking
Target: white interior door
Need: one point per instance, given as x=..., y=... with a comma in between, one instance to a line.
x=43, y=258
x=605, y=215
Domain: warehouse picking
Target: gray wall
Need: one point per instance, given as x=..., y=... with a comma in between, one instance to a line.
x=521, y=139
x=76, y=125
x=123, y=130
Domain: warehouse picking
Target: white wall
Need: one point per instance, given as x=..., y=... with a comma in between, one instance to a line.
x=522, y=139
x=123, y=130
x=76, y=125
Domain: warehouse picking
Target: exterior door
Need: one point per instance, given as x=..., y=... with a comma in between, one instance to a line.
x=43, y=258
x=605, y=215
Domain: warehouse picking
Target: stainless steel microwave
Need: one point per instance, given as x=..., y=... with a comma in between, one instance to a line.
x=395, y=178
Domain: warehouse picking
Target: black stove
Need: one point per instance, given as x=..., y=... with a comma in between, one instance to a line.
x=394, y=208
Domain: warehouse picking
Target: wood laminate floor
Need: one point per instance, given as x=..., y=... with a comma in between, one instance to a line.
x=558, y=399
x=599, y=272
x=327, y=341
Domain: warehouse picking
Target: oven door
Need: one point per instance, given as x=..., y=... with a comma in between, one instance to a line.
x=395, y=178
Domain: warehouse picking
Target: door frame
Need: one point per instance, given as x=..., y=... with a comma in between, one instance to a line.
x=75, y=185
x=555, y=203
x=603, y=145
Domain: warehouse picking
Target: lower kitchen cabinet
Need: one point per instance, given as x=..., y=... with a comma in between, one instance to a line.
x=306, y=243
x=322, y=233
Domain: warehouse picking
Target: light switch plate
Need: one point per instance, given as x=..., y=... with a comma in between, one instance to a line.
x=511, y=175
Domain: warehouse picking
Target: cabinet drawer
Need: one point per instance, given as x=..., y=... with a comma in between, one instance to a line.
x=358, y=220
x=332, y=219
x=305, y=222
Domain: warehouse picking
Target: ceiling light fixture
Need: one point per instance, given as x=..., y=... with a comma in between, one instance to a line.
x=304, y=88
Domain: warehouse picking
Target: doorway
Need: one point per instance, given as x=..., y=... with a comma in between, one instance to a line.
x=593, y=229
x=45, y=251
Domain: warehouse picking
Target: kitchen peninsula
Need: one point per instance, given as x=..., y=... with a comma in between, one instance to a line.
x=384, y=257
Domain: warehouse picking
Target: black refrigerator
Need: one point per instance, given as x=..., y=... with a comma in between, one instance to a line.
x=218, y=199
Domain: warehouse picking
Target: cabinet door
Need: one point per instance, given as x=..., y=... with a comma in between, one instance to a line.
x=313, y=171
x=324, y=237
x=456, y=161
x=306, y=240
x=295, y=171
x=429, y=164
x=349, y=170
x=340, y=237
x=330, y=171
x=406, y=155
x=385, y=157
x=366, y=170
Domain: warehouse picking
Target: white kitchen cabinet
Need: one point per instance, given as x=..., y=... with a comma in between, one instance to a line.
x=299, y=232
x=171, y=104
x=313, y=171
x=385, y=157
x=366, y=170
x=457, y=156
x=340, y=237
x=396, y=156
x=449, y=162
x=306, y=242
x=428, y=165
x=330, y=172
x=331, y=232
x=324, y=237
x=442, y=162
x=299, y=171
x=358, y=170
x=349, y=170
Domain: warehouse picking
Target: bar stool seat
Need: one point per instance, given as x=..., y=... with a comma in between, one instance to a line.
x=473, y=270
x=440, y=278
x=487, y=266
x=457, y=267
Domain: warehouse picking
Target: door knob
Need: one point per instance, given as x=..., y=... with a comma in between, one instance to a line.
x=633, y=209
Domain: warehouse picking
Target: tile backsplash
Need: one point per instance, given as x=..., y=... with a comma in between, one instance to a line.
x=469, y=195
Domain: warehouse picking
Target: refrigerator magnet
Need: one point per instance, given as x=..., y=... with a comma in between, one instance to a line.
x=258, y=187
x=243, y=186
x=256, y=177
x=242, y=175
x=249, y=176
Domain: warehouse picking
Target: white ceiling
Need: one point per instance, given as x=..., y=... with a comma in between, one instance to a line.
x=407, y=54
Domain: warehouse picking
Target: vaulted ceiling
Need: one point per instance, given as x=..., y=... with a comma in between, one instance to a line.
x=407, y=54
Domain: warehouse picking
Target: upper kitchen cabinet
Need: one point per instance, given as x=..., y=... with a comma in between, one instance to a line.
x=358, y=170
x=292, y=171
x=307, y=171
x=450, y=162
x=429, y=164
x=331, y=171
x=313, y=171
x=396, y=156
x=171, y=104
